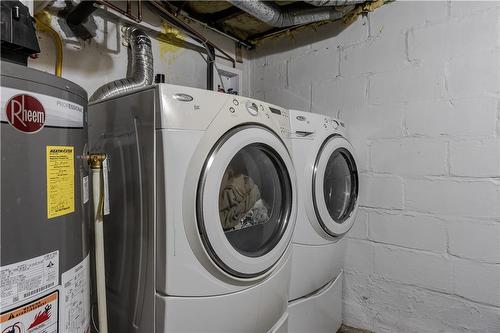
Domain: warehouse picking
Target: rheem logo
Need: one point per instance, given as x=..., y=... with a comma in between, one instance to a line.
x=25, y=113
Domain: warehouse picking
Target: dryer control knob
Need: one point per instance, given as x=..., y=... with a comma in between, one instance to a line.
x=335, y=124
x=252, y=108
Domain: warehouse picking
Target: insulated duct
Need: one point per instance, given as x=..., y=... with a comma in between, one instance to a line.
x=277, y=16
x=334, y=2
x=141, y=67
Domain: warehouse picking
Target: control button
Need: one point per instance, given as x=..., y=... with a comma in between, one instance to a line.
x=235, y=102
x=231, y=109
x=335, y=124
x=252, y=108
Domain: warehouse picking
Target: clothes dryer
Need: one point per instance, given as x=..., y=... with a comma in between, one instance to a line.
x=328, y=185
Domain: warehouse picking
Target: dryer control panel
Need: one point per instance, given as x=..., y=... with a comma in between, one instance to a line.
x=306, y=124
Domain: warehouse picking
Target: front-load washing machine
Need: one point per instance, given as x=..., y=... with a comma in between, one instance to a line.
x=327, y=181
x=202, y=207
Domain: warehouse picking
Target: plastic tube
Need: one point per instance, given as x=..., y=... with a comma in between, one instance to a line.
x=98, y=196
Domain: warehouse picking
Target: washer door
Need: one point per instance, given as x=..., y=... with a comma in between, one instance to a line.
x=246, y=201
x=335, y=186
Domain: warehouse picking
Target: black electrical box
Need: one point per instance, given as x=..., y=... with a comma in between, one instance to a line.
x=17, y=33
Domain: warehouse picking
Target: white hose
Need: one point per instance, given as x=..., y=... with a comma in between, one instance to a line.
x=98, y=193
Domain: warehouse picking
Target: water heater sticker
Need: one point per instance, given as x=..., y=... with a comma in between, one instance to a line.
x=28, y=278
x=29, y=112
x=60, y=180
x=105, y=173
x=75, y=298
x=85, y=189
x=39, y=316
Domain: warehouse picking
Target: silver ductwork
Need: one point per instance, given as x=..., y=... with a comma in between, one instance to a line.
x=277, y=16
x=321, y=3
x=141, y=73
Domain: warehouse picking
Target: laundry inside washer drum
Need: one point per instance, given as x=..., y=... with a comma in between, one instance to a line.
x=240, y=203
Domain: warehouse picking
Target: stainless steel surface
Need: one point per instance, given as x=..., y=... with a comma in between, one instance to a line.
x=277, y=16
x=124, y=128
x=142, y=68
x=26, y=232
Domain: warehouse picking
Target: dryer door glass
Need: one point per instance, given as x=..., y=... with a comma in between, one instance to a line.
x=254, y=199
x=340, y=185
x=335, y=186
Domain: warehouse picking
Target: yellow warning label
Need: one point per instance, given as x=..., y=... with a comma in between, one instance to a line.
x=60, y=180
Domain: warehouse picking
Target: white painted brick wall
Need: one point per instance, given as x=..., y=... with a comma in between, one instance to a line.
x=409, y=156
x=453, y=197
x=475, y=239
x=418, y=85
x=423, y=269
x=475, y=117
x=381, y=191
x=411, y=231
x=475, y=158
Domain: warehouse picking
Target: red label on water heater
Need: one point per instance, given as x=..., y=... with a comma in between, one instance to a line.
x=25, y=113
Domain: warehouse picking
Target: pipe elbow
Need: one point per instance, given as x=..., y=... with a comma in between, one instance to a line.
x=142, y=71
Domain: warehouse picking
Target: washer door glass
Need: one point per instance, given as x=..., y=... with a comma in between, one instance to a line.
x=254, y=199
x=340, y=185
x=335, y=186
x=246, y=201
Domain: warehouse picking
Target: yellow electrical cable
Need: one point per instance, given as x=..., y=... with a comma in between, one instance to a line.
x=45, y=27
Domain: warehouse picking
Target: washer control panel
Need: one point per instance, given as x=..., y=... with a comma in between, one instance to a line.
x=252, y=108
x=261, y=110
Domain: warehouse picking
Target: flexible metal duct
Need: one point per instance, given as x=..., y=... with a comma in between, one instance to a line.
x=334, y=2
x=141, y=67
x=277, y=16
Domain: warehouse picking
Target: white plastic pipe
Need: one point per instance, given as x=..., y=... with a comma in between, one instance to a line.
x=98, y=196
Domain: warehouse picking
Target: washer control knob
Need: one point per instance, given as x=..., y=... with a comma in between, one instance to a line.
x=335, y=124
x=252, y=108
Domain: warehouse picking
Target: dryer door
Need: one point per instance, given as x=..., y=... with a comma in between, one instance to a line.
x=335, y=186
x=246, y=201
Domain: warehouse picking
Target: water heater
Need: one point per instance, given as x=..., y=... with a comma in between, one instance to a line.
x=44, y=204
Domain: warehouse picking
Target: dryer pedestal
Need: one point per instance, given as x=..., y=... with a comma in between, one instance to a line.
x=320, y=312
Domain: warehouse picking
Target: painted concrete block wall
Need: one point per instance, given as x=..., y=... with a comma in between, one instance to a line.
x=418, y=85
x=103, y=58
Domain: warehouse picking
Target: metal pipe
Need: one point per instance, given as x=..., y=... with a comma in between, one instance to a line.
x=128, y=12
x=141, y=71
x=280, y=17
x=41, y=25
x=321, y=3
x=187, y=29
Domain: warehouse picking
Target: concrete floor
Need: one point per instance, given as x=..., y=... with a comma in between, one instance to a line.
x=348, y=329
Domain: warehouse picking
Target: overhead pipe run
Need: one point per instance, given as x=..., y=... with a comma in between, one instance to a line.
x=142, y=67
x=280, y=17
x=321, y=3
